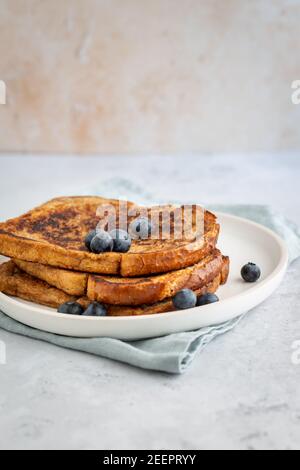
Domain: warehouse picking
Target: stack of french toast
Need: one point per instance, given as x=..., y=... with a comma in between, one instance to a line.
x=63, y=253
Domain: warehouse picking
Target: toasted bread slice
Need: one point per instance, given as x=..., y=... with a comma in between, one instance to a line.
x=168, y=254
x=71, y=282
x=16, y=283
x=19, y=284
x=149, y=290
x=160, y=307
x=53, y=234
x=127, y=291
x=167, y=304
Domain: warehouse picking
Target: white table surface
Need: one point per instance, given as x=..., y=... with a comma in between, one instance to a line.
x=242, y=392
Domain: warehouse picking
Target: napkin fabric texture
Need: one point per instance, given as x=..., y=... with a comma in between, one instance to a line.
x=173, y=353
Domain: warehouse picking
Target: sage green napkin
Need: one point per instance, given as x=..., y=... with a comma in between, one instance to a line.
x=173, y=353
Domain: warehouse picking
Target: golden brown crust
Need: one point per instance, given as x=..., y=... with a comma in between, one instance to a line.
x=39, y=252
x=53, y=234
x=225, y=270
x=160, y=307
x=167, y=305
x=130, y=291
x=71, y=282
x=143, y=264
x=149, y=290
x=19, y=284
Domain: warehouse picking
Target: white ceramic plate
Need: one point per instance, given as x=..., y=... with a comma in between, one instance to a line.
x=241, y=239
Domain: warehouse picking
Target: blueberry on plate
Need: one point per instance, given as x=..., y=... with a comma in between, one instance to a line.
x=122, y=240
x=89, y=238
x=71, y=308
x=251, y=272
x=207, y=299
x=141, y=228
x=95, y=310
x=102, y=242
x=185, y=299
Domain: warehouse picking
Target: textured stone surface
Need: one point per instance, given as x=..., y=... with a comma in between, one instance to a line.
x=149, y=76
x=243, y=390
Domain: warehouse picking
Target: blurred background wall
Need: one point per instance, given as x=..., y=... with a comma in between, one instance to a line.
x=144, y=76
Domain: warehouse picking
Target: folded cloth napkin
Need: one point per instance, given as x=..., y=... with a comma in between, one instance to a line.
x=173, y=353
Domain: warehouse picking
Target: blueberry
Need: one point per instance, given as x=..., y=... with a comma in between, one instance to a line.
x=89, y=238
x=207, y=299
x=122, y=241
x=141, y=228
x=71, y=308
x=95, y=310
x=251, y=272
x=185, y=299
x=102, y=242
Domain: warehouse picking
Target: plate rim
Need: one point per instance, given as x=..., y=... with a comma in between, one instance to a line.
x=278, y=271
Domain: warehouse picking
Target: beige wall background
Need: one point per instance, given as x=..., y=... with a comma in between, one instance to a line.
x=141, y=76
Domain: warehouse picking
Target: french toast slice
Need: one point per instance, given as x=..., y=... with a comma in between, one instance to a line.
x=127, y=291
x=16, y=283
x=149, y=290
x=53, y=234
x=71, y=282
x=167, y=304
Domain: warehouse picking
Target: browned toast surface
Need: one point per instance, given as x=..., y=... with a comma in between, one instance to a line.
x=19, y=284
x=128, y=291
x=149, y=290
x=167, y=304
x=160, y=307
x=16, y=283
x=71, y=282
x=53, y=234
